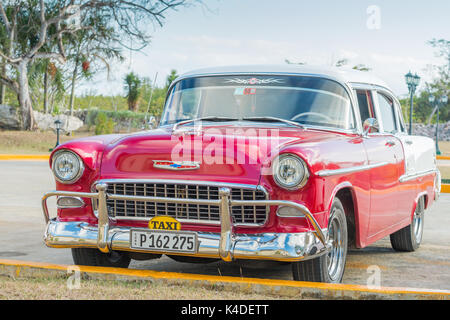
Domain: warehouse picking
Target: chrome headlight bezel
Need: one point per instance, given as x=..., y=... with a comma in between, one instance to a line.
x=301, y=165
x=76, y=176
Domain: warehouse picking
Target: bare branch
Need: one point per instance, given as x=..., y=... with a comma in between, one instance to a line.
x=13, y=85
x=5, y=19
x=50, y=55
x=9, y=59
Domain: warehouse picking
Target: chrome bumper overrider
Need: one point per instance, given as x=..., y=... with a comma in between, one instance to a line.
x=225, y=245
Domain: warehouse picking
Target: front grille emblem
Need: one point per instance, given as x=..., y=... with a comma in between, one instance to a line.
x=176, y=165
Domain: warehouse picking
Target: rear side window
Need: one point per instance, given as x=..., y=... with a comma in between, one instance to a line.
x=387, y=113
x=365, y=104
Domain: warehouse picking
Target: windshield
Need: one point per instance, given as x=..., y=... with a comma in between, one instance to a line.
x=304, y=100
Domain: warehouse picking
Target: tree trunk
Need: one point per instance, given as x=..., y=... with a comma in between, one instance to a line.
x=72, y=90
x=46, y=90
x=2, y=86
x=26, y=107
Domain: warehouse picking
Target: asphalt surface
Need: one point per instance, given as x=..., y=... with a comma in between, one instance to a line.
x=22, y=184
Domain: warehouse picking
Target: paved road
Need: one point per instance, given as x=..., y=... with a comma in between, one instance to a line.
x=21, y=229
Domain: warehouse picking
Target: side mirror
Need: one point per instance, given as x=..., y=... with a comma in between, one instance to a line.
x=369, y=126
x=151, y=122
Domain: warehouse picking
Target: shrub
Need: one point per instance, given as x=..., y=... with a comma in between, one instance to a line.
x=103, y=124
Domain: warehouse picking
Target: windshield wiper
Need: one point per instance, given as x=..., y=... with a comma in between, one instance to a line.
x=212, y=118
x=273, y=119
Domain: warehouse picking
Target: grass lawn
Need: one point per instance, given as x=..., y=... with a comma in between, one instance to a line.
x=51, y=289
x=27, y=142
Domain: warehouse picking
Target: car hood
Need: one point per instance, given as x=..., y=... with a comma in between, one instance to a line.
x=225, y=153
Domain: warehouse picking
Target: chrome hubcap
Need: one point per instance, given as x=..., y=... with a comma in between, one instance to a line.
x=335, y=257
x=418, y=223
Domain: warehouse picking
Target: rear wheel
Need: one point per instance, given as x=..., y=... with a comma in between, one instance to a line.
x=328, y=267
x=410, y=237
x=94, y=257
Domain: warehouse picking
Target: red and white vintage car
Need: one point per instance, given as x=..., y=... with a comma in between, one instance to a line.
x=281, y=163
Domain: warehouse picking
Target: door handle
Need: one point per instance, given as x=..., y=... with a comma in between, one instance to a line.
x=408, y=142
x=390, y=143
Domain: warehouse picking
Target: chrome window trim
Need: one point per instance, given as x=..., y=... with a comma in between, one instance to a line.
x=377, y=93
x=327, y=173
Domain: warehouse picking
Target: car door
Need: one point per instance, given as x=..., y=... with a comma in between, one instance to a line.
x=420, y=157
x=384, y=149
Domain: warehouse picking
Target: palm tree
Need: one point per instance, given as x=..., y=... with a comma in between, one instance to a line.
x=171, y=77
x=133, y=88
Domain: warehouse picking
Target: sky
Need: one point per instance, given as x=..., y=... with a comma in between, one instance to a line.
x=388, y=36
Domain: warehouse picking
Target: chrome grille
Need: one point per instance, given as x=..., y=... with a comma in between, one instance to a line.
x=124, y=209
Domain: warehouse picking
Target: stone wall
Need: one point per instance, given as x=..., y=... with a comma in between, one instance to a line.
x=430, y=130
x=47, y=121
x=10, y=120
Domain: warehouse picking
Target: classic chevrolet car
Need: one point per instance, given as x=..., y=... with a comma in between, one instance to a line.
x=268, y=163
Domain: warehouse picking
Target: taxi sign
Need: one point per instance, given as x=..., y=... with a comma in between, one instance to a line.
x=164, y=223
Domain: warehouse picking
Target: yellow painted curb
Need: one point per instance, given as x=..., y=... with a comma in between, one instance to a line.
x=15, y=269
x=21, y=157
x=445, y=188
x=442, y=158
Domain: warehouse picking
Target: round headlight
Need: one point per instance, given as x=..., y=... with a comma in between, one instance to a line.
x=290, y=172
x=67, y=166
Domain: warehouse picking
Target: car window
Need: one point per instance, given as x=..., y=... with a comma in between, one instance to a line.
x=387, y=113
x=401, y=122
x=306, y=100
x=365, y=104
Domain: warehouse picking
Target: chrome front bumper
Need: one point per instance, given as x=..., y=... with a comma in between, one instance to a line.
x=225, y=245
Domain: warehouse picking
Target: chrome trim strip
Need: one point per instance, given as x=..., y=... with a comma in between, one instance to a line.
x=184, y=182
x=164, y=199
x=327, y=173
x=408, y=177
x=193, y=221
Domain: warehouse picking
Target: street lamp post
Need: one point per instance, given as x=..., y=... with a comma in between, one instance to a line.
x=58, y=128
x=436, y=102
x=412, y=80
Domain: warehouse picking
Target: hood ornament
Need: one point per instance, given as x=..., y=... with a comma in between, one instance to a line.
x=176, y=165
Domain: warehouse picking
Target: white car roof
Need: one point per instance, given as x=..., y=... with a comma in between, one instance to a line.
x=344, y=75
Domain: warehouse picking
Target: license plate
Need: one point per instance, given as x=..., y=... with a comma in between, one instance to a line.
x=166, y=241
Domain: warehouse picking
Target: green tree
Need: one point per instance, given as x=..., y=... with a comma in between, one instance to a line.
x=171, y=77
x=34, y=30
x=133, y=89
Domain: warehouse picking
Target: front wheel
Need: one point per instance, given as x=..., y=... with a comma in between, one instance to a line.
x=94, y=257
x=328, y=267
